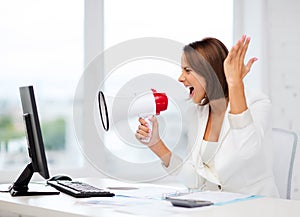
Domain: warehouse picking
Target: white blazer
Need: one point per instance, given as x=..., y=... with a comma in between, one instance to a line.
x=242, y=161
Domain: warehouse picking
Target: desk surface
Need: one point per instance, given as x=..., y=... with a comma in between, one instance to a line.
x=139, y=205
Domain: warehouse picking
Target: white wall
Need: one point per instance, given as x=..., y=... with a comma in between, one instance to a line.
x=274, y=28
x=284, y=71
x=250, y=19
x=284, y=56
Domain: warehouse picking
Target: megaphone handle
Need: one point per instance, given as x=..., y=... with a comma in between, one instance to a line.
x=149, y=122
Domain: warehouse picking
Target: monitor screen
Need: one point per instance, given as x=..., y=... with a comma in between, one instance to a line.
x=34, y=134
x=36, y=150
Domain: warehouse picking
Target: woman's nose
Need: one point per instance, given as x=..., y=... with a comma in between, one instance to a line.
x=181, y=78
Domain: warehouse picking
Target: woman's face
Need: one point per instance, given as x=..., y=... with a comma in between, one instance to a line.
x=193, y=81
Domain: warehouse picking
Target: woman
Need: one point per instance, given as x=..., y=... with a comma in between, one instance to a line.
x=229, y=138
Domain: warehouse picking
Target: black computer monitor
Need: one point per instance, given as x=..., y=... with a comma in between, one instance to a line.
x=36, y=150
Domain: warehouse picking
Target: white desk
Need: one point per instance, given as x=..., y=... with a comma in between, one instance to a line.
x=64, y=205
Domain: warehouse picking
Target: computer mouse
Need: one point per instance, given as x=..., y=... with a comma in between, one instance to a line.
x=60, y=178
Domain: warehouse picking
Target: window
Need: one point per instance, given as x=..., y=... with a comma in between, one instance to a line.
x=180, y=21
x=41, y=45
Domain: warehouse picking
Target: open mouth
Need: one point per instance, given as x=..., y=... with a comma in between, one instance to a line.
x=191, y=91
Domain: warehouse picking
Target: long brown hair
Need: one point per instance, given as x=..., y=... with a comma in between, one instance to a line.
x=206, y=57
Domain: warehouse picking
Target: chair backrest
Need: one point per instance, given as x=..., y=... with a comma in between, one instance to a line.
x=285, y=143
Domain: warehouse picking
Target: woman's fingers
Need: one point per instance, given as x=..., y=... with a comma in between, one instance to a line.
x=143, y=128
x=244, y=48
x=235, y=50
x=142, y=131
x=141, y=134
x=234, y=64
x=239, y=46
x=239, y=50
x=143, y=122
x=249, y=65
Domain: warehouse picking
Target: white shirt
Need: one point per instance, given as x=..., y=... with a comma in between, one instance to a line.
x=208, y=150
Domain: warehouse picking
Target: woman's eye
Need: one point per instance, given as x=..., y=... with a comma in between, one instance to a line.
x=188, y=70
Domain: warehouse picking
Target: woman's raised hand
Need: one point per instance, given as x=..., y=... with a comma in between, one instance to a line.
x=234, y=66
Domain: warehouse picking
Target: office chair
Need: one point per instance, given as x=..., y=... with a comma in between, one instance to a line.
x=285, y=143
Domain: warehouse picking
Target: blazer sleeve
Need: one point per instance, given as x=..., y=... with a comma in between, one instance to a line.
x=182, y=165
x=249, y=128
x=184, y=171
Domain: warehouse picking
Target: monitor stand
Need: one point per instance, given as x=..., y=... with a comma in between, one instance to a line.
x=20, y=187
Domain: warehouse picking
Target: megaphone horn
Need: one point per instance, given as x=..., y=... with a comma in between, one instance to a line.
x=144, y=105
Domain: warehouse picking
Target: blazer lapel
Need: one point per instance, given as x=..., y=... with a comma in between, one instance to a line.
x=201, y=121
x=225, y=128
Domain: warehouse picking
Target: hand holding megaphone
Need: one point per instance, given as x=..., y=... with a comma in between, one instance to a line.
x=143, y=132
x=146, y=106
